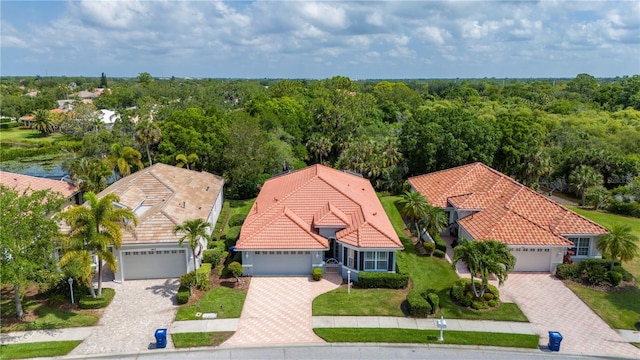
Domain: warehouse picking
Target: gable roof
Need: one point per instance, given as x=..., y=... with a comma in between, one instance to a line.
x=164, y=196
x=22, y=183
x=503, y=209
x=291, y=207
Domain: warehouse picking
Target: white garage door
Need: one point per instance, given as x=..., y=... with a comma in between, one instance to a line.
x=537, y=260
x=146, y=264
x=268, y=263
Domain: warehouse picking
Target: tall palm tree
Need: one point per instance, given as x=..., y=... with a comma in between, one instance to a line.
x=148, y=133
x=43, y=122
x=434, y=221
x=413, y=206
x=122, y=158
x=94, y=228
x=91, y=174
x=192, y=231
x=187, y=160
x=484, y=258
x=583, y=178
x=320, y=146
x=620, y=243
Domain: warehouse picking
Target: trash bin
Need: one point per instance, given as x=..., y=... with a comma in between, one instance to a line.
x=555, y=338
x=161, y=338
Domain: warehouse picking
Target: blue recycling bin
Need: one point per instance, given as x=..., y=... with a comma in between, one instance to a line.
x=161, y=338
x=555, y=338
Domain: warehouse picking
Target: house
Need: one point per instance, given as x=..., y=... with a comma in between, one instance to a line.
x=108, y=117
x=317, y=217
x=27, y=120
x=163, y=196
x=483, y=203
x=22, y=183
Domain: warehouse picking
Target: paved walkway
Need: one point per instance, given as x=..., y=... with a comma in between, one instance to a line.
x=277, y=310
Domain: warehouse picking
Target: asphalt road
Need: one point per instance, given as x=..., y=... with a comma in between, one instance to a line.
x=348, y=351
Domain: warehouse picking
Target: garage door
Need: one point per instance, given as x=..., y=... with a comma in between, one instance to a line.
x=146, y=264
x=281, y=263
x=532, y=259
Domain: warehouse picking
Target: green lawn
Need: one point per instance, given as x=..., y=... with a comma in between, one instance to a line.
x=187, y=340
x=41, y=349
x=48, y=318
x=426, y=273
x=227, y=303
x=621, y=310
x=427, y=336
x=28, y=136
x=606, y=219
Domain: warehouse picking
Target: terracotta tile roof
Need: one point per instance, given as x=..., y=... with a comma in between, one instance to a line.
x=21, y=183
x=290, y=206
x=170, y=196
x=504, y=209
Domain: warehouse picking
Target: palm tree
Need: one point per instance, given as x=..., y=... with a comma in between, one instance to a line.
x=94, y=228
x=320, y=146
x=184, y=160
x=413, y=207
x=620, y=243
x=583, y=178
x=122, y=158
x=148, y=133
x=484, y=258
x=42, y=122
x=434, y=221
x=193, y=230
x=91, y=174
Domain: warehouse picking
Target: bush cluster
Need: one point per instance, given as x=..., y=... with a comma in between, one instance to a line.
x=624, y=208
x=99, y=302
x=462, y=293
x=214, y=256
x=429, y=247
x=232, y=236
x=417, y=305
x=317, y=274
x=202, y=277
x=594, y=272
x=440, y=244
x=439, y=253
x=369, y=280
x=183, y=295
x=237, y=220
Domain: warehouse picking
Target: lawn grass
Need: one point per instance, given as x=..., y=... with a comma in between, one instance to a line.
x=48, y=318
x=426, y=337
x=621, y=310
x=187, y=340
x=361, y=302
x=40, y=349
x=227, y=303
x=28, y=136
x=606, y=220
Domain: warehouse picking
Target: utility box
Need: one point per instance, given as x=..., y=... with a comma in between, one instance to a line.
x=555, y=338
x=161, y=338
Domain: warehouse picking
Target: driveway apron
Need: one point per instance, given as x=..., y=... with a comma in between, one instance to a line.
x=277, y=310
x=129, y=323
x=551, y=306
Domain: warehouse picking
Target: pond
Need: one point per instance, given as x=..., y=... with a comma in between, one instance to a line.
x=50, y=168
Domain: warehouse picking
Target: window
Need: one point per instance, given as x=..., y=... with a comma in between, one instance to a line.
x=375, y=260
x=580, y=246
x=351, y=254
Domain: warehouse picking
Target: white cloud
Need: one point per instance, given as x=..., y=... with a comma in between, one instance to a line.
x=433, y=34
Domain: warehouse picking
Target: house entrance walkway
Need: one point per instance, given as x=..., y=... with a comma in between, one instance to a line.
x=277, y=310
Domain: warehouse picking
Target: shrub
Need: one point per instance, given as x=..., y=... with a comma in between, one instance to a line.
x=479, y=305
x=492, y=303
x=188, y=280
x=235, y=268
x=439, y=253
x=183, y=295
x=237, y=219
x=369, y=280
x=58, y=299
x=231, y=236
x=434, y=301
x=99, y=302
x=213, y=256
x=615, y=278
x=626, y=276
x=417, y=305
x=462, y=293
x=568, y=271
x=317, y=274
x=202, y=277
x=595, y=271
x=216, y=244
x=8, y=125
x=488, y=296
x=429, y=247
x=440, y=244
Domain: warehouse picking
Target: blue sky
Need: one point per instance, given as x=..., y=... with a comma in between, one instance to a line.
x=305, y=39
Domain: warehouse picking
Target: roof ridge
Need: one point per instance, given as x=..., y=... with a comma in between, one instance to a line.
x=301, y=223
x=471, y=166
x=543, y=228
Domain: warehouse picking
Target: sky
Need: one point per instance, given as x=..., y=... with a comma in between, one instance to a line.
x=320, y=39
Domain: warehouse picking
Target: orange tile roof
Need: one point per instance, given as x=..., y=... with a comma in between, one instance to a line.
x=21, y=183
x=504, y=209
x=170, y=194
x=290, y=206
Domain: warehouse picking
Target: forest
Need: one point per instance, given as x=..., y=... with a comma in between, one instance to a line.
x=578, y=135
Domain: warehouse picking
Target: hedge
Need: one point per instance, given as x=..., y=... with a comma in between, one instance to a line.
x=232, y=236
x=368, y=280
x=440, y=244
x=429, y=247
x=183, y=295
x=213, y=256
x=237, y=220
x=434, y=300
x=568, y=271
x=439, y=253
x=417, y=305
x=99, y=302
x=202, y=277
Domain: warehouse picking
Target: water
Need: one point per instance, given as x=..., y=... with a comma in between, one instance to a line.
x=50, y=169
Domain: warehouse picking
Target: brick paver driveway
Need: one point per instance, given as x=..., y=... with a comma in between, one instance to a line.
x=277, y=310
x=550, y=305
x=129, y=323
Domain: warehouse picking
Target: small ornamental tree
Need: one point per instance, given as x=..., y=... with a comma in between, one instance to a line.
x=236, y=269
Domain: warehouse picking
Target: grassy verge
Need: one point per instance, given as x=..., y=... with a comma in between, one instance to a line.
x=426, y=337
x=621, y=310
x=227, y=303
x=48, y=318
x=40, y=349
x=187, y=340
x=361, y=302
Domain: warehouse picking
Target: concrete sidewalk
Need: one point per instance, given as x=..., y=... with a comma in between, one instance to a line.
x=19, y=337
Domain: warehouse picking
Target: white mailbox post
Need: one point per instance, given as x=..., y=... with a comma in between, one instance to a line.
x=441, y=324
x=349, y=282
